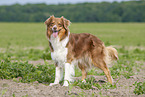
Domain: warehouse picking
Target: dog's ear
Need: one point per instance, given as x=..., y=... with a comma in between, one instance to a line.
x=48, y=21
x=66, y=22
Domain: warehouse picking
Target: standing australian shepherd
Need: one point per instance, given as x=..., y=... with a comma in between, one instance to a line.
x=84, y=50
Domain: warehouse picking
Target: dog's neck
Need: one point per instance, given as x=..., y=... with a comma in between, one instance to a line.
x=57, y=43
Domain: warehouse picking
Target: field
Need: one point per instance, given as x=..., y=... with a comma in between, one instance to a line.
x=26, y=68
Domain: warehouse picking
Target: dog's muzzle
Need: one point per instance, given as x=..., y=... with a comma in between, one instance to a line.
x=54, y=28
x=55, y=31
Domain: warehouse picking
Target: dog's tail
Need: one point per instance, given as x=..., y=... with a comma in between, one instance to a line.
x=111, y=54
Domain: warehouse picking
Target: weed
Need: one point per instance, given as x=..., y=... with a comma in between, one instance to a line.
x=27, y=72
x=28, y=54
x=139, y=88
x=108, y=86
x=91, y=83
x=14, y=95
x=3, y=92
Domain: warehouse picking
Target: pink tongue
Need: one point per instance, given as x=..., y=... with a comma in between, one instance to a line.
x=55, y=34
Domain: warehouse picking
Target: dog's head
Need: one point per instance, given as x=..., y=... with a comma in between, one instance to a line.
x=57, y=27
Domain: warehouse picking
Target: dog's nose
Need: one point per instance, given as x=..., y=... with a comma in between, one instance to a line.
x=54, y=27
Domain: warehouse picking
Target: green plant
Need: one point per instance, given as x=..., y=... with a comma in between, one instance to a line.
x=3, y=92
x=26, y=72
x=14, y=95
x=108, y=86
x=91, y=83
x=139, y=88
x=27, y=54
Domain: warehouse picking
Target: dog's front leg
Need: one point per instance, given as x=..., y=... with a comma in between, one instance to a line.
x=69, y=73
x=58, y=75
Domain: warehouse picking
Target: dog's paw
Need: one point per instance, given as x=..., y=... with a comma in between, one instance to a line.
x=65, y=83
x=112, y=80
x=52, y=84
x=84, y=81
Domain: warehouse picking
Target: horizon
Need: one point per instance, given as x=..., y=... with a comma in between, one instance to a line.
x=12, y=2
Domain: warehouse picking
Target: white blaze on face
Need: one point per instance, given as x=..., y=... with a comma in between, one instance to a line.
x=55, y=32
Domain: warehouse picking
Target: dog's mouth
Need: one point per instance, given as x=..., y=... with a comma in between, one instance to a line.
x=55, y=33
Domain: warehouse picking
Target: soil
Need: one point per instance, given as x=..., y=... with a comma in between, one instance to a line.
x=125, y=88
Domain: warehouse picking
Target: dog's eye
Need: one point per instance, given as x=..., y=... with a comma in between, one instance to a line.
x=59, y=25
x=51, y=24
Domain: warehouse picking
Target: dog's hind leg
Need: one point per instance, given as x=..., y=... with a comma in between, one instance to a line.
x=102, y=65
x=84, y=72
x=107, y=73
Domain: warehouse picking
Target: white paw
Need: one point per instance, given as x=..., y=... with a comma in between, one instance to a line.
x=65, y=83
x=52, y=84
x=84, y=81
x=112, y=80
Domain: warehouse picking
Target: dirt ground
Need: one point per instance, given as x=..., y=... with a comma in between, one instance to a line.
x=10, y=88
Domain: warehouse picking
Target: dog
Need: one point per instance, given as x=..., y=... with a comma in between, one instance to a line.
x=68, y=49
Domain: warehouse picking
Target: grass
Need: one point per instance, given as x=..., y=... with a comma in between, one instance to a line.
x=22, y=35
x=127, y=34
x=19, y=41
x=34, y=34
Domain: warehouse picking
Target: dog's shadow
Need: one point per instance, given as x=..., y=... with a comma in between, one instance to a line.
x=101, y=81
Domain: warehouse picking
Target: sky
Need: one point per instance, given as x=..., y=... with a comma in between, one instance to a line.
x=10, y=2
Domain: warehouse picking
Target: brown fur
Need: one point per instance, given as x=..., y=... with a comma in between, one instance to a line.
x=86, y=44
x=85, y=47
x=62, y=25
x=51, y=48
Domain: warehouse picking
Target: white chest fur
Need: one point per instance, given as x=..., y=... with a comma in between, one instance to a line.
x=60, y=51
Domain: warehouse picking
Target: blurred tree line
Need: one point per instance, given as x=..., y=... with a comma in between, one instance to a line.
x=130, y=11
